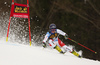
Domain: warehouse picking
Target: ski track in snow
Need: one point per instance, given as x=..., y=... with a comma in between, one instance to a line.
x=18, y=54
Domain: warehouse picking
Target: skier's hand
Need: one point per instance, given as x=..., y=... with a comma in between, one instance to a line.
x=44, y=45
x=66, y=36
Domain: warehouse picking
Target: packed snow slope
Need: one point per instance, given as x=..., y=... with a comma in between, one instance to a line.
x=17, y=54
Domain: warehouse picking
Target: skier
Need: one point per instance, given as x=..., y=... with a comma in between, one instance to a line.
x=55, y=42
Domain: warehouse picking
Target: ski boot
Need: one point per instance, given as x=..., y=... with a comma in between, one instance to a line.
x=58, y=49
x=76, y=54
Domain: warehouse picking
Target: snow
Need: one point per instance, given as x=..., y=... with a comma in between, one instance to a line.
x=19, y=54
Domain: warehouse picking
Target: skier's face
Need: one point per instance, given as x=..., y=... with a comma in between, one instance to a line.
x=53, y=30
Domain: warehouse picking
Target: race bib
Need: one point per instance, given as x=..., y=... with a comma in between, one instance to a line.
x=53, y=36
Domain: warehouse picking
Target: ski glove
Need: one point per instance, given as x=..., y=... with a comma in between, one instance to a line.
x=44, y=45
x=66, y=36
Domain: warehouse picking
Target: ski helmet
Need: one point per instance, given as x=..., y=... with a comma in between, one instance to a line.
x=52, y=26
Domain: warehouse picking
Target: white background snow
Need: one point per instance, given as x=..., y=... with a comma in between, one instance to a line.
x=19, y=54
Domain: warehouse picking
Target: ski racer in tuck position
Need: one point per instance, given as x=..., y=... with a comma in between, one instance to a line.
x=55, y=42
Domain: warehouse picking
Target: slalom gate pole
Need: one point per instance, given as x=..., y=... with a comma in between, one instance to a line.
x=9, y=23
x=83, y=46
x=8, y=29
x=29, y=22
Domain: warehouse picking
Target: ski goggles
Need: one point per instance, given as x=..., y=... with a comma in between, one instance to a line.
x=53, y=29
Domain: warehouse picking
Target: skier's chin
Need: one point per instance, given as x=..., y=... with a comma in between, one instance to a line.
x=53, y=32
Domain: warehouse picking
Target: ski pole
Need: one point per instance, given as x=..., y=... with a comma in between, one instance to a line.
x=82, y=45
